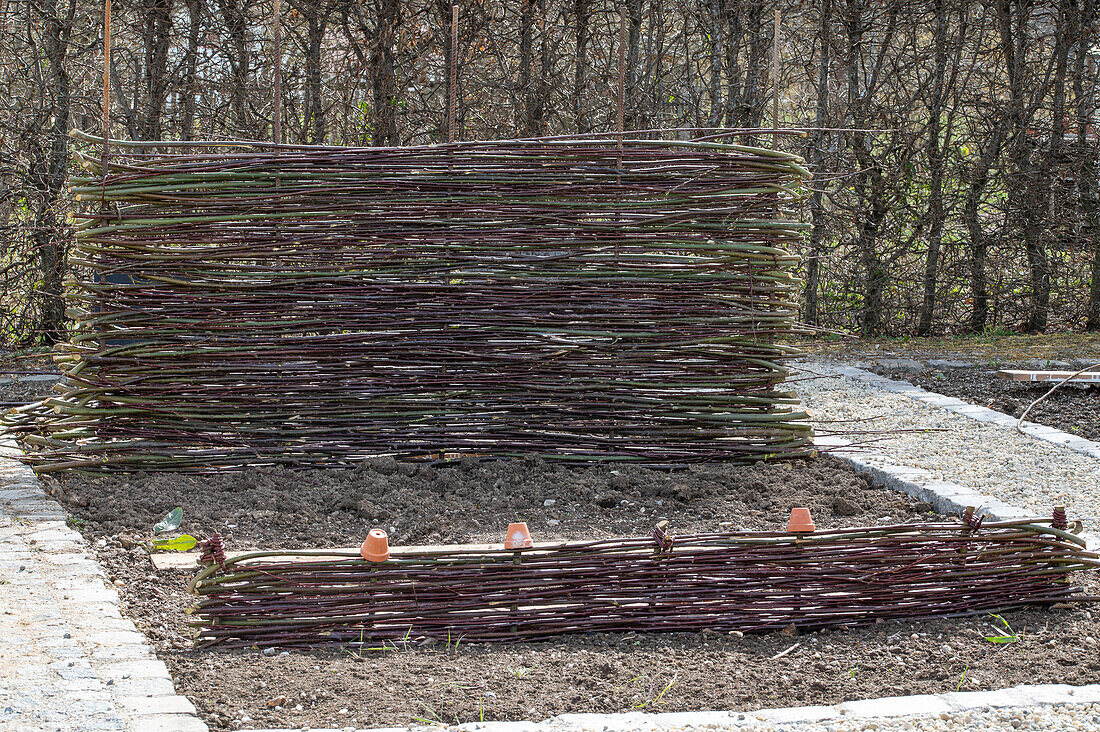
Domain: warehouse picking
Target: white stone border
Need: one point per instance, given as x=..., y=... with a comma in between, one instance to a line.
x=886, y=708
x=77, y=611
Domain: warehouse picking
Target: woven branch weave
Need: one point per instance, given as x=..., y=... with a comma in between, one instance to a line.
x=316, y=306
x=749, y=582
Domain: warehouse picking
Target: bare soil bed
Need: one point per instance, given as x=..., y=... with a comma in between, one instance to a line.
x=1073, y=408
x=598, y=673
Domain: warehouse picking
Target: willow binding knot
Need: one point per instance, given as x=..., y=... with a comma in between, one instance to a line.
x=664, y=540
x=973, y=522
x=213, y=551
x=1059, y=521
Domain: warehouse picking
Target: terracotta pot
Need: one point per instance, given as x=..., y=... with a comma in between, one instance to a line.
x=801, y=522
x=377, y=546
x=518, y=537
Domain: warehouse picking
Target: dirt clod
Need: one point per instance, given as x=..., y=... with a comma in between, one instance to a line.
x=843, y=507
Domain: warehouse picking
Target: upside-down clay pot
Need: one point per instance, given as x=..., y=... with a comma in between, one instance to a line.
x=801, y=522
x=518, y=537
x=377, y=546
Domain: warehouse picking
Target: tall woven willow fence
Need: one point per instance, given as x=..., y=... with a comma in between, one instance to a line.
x=572, y=298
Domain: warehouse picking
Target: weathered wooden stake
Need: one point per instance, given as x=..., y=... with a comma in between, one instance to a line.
x=106, y=84
x=620, y=89
x=277, y=77
x=452, y=91
x=775, y=80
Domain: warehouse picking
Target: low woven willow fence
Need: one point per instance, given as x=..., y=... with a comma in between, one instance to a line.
x=749, y=582
x=314, y=306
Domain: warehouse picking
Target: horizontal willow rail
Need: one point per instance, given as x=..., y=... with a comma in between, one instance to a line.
x=748, y=582
x=570, y=297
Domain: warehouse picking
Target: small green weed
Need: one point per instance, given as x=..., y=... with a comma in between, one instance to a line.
x=962, y=677
x=655, y=700
x=1004, y=634
x=434, y=717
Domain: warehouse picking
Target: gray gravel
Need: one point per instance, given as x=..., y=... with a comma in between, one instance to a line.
x=991, y=459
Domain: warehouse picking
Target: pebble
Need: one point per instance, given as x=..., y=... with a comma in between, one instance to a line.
x=549, y=502
x=553, y=522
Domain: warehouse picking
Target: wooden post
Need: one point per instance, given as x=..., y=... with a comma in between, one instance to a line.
x=775, y=80
x=452, y=90
x=620, y=90
x=106, y=95
x=277, y=77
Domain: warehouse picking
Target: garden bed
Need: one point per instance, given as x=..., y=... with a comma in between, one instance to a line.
x=463, y=682
x=1072, y=408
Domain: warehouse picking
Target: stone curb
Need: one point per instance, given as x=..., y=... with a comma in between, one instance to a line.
x=920, y=705
x=972, y=411
x=74, y=662
x=946, y=497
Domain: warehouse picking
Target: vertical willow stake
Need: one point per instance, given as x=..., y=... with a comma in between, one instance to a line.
x=277, y=76
x=452, y=85
x=620, y=89
x=775, y=80
x=106, y=95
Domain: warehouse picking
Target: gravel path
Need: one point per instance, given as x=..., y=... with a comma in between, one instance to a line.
x=69, y=661
x=995, y=460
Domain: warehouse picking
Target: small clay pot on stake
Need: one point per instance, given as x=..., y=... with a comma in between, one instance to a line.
x=800, y=522
x=518, y=536
x=376, y=548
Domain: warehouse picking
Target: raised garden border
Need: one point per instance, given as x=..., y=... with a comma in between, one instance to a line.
x=945, y=496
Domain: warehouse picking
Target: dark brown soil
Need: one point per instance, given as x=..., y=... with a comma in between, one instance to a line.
x=1072, y=408
x=597, y=673
x=473, y=502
